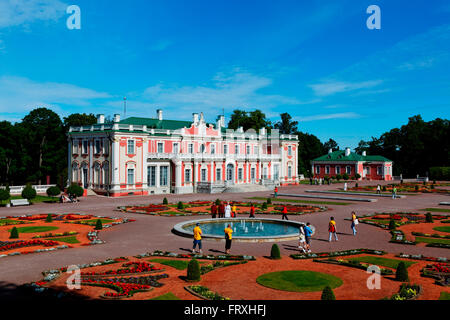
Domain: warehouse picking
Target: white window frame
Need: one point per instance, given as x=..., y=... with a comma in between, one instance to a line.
x=380, y=170
x=289, y=172
x=248, y=149
x=240, y=174
x=338, y=169
x=158, y=147
x=162, y=182
x=187, y=175
x=85, y=147
x=213, y=148
x=176, y=147
x=98, y=146
x=132, y=171
x=131, y=145
x=225, y=149
x=327, y=169
x=289, y=150
x=317, y=169
x=236, y=148
x=151, y=175
x=218, y=174
x=348, y=170
x=191, y=148
x=204, y=174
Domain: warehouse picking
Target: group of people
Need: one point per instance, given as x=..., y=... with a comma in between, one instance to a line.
x=198, y=239
x=305, y=232
x=223, y=210
x=67, y=198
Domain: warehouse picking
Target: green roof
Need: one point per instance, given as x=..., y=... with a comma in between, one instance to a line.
x=340, y=156
x=157, y=124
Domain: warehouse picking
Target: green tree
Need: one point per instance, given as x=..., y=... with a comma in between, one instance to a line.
x=49, y=218
x=14, y=233
x=401, y=273
x=331, y=144
x=193, y=270
x=180, y=205
x=328, y=294
x=53, y=191
x=4, y=195
x=98, y=225
x=275, y=252
x=75, y=190
x=249, y=120
x=286, y=125
x=28, y=192
x=79, y=119
x=309, y=147
x=165, y=201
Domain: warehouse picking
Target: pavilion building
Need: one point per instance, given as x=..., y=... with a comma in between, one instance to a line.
x=369, y=167
x=140, y=156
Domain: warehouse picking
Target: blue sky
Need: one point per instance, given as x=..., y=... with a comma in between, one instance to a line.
x=316, y=60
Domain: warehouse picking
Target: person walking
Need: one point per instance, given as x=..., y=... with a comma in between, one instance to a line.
x=214, y=210
x=302, y=239
x=252, y=211
x=345, y=186
x=228, y=237
x=228, y=210
x=332, y=229
x=308, y=234
x=197, y=238
x=394, y=192
x=378, y=189
x=275, y=192
x=354, y=223
x=284, y=213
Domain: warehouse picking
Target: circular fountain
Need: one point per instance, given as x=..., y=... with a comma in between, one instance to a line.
x=244, y=230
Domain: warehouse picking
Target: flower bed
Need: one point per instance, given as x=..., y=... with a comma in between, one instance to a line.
x=7, y=245
x=204, y=293
x=56, y=235
x=123, y=289
x=353, y=264
x=421, y=257
x=169, y=254
x=399, y=237
x=132, y=267
x=219, y=264
x=336, y=253
x=438, y=271
x=408, y=292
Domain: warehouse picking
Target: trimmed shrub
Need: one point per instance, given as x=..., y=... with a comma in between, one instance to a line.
x=98, y=225
x=49, y=218
x=356, y=185
x=392, y=225
x=4, y=195
x=165, y=201
x=345, y=176
x=401, y=274
x=275, y=252
x=14, y=233
x=416, y=188
x=28, y=192
x=384, y=188
x=53, y=191
x=428, y=217
x=193, y=270
x=269, y=201
x=75, y=190
x=180, y=205
x=357, y=176
x=327, y=294
x=264, y=206
x=217, y=202
x=338, y=177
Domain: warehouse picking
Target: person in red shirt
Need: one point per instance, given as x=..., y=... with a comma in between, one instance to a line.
x=214, y=210
x=252, y=211
x=222, y=210
x=284, y=212
x=275, y=192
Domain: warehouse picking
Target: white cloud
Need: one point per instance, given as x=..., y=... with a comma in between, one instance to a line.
x=21, y=95
x=236, y=89
x=18, y=12
x=333, y=87
x=344, y=115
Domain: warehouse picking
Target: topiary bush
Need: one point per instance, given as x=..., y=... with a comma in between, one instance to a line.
x=392, y=225
x=345, y=176
x=14, y=233
x=193, y=270
x=180, y=205
x=429, y=217
x=338, y=177
x=217, y=202
x=401, y=274
x=4, y=195
x=384, y=188
x=356, y=185
x=49, y=218
x=275, y=252
x=28, y=192
x=165, y=201
x=327, y=294
x=264, y=206
x=53, y=191
x=269, y=201
x=75, y=190
x=98, y=225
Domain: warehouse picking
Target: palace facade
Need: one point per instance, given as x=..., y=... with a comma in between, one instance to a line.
x=140, y=156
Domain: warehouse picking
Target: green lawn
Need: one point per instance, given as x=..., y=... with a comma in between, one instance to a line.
x=94, y=221
x=5, y=221
x=432, y=240
x=303, y=201
x=443, y=229
x=35, y=229
x=171, y=212
x=177, y=264
x=379, y=221
x=444, y=296
x=38, y=199
x=72, y=239
x=384, y=262
x=299, y=281
x=167, y=296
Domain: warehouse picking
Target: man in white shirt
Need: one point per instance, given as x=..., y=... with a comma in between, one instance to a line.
x=228, y=210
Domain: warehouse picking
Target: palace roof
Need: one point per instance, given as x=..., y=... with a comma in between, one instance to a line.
x=339, y=155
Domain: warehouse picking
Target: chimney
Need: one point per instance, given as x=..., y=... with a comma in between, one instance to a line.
x=364, y=153
x=262, y=131
x=202, y=117
x=100, y=118
x=195, y=118
x=240, y=129
x=159, y=114
x=222, y=121
x=116, y=117
x=347, y=151
x=330, y=151
x=218, y=124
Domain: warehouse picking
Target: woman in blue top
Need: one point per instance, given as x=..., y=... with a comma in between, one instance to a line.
x=308, y=233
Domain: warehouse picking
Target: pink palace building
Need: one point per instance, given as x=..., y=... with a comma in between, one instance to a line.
x=140, y=156
x=369, y=167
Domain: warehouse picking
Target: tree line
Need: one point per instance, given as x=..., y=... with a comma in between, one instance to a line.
x=36, y=147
